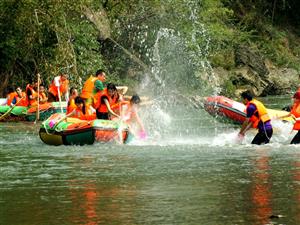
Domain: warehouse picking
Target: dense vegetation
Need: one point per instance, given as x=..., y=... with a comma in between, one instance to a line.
x=172, y=41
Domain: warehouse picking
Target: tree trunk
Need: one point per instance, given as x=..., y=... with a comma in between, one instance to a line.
x=101, y=22
x=4, y=83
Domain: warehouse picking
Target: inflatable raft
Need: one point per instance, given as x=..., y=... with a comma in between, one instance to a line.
x=23, y=113
x=232, y=111
x=59, y=130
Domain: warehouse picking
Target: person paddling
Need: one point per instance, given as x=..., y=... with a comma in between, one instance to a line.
x=31, y=94
x=257, y=117
x=42, y=94
x=59, y=87
x=20, y=98
x=11, y=94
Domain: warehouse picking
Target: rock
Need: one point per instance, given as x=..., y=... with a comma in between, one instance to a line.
x=255, y=74
x=282, y=81
x=248, y=57
x=221, y=75
x=245, y=78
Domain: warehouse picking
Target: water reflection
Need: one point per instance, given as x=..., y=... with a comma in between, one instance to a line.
x=296, y=179
x=260, y=193
x=182, y=179
x=98, y=199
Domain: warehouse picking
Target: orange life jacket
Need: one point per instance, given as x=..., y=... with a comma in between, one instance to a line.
x=79, y=114
x=88, y=88
x=262, y=113
x=90, y=113
x=296, y=112
x=63, y=87
x=43, y=97
x=33, y=93
x=87, y=116
x=21, y=101
x=10, y=97
x=71, y=105
x=97, y=98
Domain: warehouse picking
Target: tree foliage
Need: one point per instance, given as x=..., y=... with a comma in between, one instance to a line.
x=178, y=40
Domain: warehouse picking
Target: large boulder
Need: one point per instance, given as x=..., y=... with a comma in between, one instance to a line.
x=254, y=73
x=245, y=78
x=245, y=56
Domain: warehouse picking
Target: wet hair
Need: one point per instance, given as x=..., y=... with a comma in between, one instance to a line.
x=135, y=99
x=79, y=100
x=99, y=72
x=247, y=95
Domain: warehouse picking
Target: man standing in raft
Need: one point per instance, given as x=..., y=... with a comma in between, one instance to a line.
x=59, y=87
x=93, y=85
x=257, y=117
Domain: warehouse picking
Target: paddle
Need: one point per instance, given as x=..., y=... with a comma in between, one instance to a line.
x=8, y=111
x=38, y=100
x=59, y=99
x=53, y=123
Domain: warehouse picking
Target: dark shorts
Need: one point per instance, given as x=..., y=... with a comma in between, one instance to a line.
x=262, y=137
x=102, y=116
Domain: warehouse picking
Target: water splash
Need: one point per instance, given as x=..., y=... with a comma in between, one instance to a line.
x=179, y=66
x=200, y=42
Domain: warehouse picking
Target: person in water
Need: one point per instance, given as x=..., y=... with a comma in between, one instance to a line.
x=257, y=117
x=295, y=113
x=129, y=113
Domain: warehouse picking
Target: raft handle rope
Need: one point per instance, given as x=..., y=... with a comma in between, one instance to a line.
x=269, y=138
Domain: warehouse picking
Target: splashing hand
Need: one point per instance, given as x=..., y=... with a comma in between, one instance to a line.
x=240, y=137
x=142, y=135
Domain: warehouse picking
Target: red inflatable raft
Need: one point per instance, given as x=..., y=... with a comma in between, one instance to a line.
x=233, y=111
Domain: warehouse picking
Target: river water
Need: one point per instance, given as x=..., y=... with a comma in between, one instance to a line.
x=191, y=172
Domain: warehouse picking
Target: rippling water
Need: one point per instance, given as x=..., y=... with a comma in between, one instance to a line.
x=192, y=172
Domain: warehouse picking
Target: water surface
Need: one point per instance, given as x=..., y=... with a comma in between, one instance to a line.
x=191, y=172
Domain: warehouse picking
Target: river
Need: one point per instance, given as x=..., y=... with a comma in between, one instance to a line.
x=192, y=172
